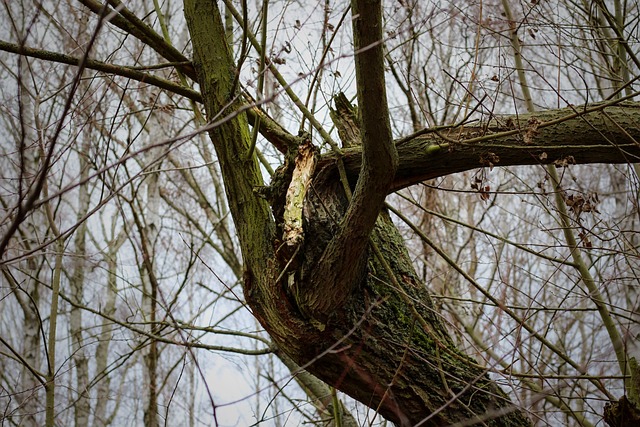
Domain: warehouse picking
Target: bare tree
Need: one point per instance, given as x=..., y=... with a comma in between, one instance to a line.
x=449, y=263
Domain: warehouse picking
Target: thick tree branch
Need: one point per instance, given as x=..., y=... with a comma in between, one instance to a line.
x=342, y=261
x=241, y=174
x=603, y=133
x=378, y=153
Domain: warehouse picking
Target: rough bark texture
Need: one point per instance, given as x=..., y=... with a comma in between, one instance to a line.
x=621, y=413
x=376, y=348
x=375, y=335
x=604, y=133
x=338, y=270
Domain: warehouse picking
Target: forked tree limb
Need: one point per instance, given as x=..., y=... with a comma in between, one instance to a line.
x=341, y=264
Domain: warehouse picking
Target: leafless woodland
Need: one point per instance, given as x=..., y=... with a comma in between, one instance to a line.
x=121, y=290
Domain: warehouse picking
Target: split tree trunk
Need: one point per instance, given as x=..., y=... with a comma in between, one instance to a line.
x=376, y=337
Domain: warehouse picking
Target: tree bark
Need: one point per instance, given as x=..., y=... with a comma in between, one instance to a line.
x=597, y=133
x=367, y=325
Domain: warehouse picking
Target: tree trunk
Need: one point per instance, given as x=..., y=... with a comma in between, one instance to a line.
x=385, y=346
x=367, y=325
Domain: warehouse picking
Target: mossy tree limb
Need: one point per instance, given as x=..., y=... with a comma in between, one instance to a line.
x=596, y=133
x=338, y=312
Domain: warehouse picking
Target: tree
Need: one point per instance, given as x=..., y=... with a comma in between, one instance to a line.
x=352, y=286
x=326, y=272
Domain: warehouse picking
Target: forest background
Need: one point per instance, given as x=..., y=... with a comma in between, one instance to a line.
x=122, y=263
